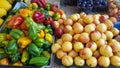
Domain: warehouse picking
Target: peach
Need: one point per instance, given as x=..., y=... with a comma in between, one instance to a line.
x=78, y=28
x=66, y=37
x=67, y=29
x=82, y=15
x=68, y=22
x=101, y=42
x=103, y=36
x=115, y=45
x=109, y=24
x=115, y=60
x=79, y=61
x=74, y=17
x=92, y=46
x=67, y=60
x=113, y=19
x=64, y=16
x=106, y=51
x=96, y=16
x=61, y=21
x=96, y=54
x=67, y=46
x=85, y=53
x=95, y=35
x=76, y=37
x=88, y=19
x=91, y=62
x=77, y=46
x=72, y=53
x=55, y=24
x=89, y=28
x=96, y=22
x=55, y=47
x=59, y=41
x=102, y=18
x=84, y=37
x=103, y=61
x=115, y=31
x=60, y=54
x=101, y=27
x=109, y=35
x=81, y=22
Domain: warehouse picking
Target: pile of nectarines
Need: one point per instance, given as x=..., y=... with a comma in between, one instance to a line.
x=88, y=39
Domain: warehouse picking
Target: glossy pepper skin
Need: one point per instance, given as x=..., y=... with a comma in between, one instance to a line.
x=48, y=21
x=33, y=6
x=23, y=42
x=16, y=33
x=25, y=56
x=39, y=42
x=33, y=50
x=33, y=28
x=49, y=38
x=12, y=47
x=15, y=21
x=15, y=57
x=3, y=37
x=56, y=16
x=54, y=8
x=38, y=17
x=39, y=61
x=41, y=3
x=48, y=6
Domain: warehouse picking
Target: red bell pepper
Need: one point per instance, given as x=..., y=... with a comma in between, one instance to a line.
x=15, y=21
x=41, y=3
x=49, y=21
x=38, y=17
x=54, y=8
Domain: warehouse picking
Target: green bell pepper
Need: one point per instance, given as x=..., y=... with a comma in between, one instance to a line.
x=46, y=54
x=49, y=29
x=2, y=37
x=48, y=6
x=2, y=51
x=33, y=50
x=41, y=26
x=15, y=57
x=12, y=47
x=39, y=42
x=39, y=61
x=41, y=50
x=1, y=44
x=16, y=33
x=33, y=28
x=47, y=44
x=56, y=16
x=45, y=12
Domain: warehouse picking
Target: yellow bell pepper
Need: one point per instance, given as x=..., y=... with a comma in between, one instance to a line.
x=51, y=13
x=41, y=34
x=18, y=63
x=1, y=21
x=49, y=37
x=23, y=42
x=3, y=12
x=5, y=4
x=24, y=12
x=33, y=6
x=4, y=61
x=25, y=56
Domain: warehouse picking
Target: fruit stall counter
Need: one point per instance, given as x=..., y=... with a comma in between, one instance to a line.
x=41, y=34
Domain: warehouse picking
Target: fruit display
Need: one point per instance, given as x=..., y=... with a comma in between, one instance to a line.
x=5, y=6
x=27, y=35
x=92, y=5
x=114, y=8
x=99, y=5
x=85, y=5
x=87, y=40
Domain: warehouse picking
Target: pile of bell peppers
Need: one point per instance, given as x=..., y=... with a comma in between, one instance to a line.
x=27, y=37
